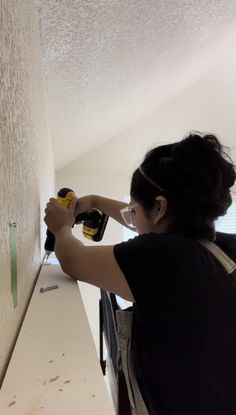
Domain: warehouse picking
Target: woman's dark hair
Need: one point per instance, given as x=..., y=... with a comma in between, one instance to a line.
x=195, y=175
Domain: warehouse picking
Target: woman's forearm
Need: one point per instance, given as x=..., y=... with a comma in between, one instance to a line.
x=67, y=248
x=108, y=206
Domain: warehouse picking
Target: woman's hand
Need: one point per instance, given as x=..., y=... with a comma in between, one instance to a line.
x=58, y=216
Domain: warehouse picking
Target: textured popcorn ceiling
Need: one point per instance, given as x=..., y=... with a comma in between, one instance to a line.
x=108, y=63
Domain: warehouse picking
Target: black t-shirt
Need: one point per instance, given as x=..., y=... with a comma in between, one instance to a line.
x=184, y=324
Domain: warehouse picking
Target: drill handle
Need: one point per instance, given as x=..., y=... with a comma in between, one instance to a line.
x=50, y=242
x=64, y=197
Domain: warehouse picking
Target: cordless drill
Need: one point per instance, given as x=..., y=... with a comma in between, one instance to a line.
x=94, y=221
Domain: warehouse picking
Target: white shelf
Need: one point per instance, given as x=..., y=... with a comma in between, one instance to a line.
x=54, y=369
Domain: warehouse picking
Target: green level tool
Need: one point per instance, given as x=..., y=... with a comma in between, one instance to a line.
x=13, y=255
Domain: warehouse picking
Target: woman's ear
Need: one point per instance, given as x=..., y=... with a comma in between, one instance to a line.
x=160, y=209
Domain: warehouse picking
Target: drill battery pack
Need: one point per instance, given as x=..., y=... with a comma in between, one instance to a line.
x=94, y=224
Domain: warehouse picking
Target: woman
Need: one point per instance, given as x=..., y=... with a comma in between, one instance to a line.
x=178, y=272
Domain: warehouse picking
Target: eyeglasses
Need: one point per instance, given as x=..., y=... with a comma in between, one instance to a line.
x=127, y=215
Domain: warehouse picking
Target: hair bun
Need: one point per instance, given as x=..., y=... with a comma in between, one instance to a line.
x=212, y=140
x=205, y=149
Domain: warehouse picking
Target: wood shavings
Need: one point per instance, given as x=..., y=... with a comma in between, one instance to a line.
x=53, y=379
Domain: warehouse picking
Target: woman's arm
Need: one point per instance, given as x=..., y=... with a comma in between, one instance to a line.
x=95, y=265
x=108, y=206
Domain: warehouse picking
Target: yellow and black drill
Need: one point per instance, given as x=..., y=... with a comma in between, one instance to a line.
x=94, y=221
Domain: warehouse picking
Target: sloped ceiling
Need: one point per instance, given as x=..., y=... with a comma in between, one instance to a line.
x=109, y=63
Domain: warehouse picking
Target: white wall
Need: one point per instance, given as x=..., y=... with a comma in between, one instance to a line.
x=26, y=161
x=206, y=106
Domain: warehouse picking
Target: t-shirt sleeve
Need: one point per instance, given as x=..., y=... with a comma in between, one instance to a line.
x=148, y=263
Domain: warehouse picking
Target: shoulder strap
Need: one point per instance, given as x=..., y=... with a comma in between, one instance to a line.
x=227, y=262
